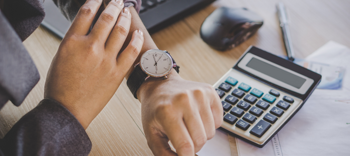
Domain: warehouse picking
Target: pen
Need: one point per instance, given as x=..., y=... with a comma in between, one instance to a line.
x=282, y=15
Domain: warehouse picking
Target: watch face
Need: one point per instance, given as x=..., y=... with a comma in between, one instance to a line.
x=156, y=63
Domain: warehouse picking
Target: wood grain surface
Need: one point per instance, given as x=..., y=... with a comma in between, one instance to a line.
x=117, y=130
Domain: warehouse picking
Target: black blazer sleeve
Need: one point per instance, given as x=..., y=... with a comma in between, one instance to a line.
x=49, y=129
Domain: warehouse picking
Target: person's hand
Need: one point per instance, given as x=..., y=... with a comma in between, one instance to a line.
x=184, y=112
x=88, y=68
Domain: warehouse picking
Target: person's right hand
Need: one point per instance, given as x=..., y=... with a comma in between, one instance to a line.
x=88, y=68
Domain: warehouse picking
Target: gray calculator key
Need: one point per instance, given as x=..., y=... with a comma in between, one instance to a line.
x=250, y=98
x=237, y=111
x=256, y=111
x=242, y=125
x=260, y=128
x=225, y=87
x=231, y=119
x=276, y=111
x=270, y=118
x=282, y=104
x=274, y=93
x=220, y=93
x=288, y=99
x=238, y=93
x=226, y=106
x=231, y=99
x=244, y=105
x=249, y=118
x=262, y=104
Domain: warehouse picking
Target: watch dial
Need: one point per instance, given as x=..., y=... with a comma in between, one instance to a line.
x=156, y=63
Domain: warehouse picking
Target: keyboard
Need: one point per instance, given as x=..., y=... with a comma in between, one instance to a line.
x=157, y=14
x=256, y=106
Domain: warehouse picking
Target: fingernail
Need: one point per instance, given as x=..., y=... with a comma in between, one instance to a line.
x=120, y=2
x=126, y=11
x=140, y=32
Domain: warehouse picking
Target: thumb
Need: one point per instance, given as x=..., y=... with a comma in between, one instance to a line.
x=159, y=145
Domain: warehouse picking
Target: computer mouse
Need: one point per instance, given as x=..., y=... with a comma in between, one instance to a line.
x=226, y=28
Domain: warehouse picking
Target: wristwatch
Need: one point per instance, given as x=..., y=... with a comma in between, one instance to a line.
x=153, y=63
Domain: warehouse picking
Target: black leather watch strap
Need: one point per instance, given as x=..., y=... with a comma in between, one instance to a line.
x=137, y=77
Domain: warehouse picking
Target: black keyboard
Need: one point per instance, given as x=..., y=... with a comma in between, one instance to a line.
x=157, y=14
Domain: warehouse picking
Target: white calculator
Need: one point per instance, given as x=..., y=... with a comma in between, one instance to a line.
x=261, y=93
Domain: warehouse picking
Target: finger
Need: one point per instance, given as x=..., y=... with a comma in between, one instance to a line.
x=84, y=18
x=119, y=33
x=208, y=120
x=129, y=55
x=159, y=145
x=216, y=108
x=196, y=129
x=106, y=21
x=179, y=137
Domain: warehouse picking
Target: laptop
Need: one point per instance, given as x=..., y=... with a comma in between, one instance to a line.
x=155, y=14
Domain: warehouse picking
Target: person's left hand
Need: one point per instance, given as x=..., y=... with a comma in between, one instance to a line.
x=184, y=112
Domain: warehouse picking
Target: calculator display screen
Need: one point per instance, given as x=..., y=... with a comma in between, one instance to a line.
x=276, y=72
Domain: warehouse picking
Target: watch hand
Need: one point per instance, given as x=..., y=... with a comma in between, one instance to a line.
x=160, y=57
x=155, y=62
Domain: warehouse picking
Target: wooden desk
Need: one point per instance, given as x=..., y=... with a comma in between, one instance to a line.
x=118, y=131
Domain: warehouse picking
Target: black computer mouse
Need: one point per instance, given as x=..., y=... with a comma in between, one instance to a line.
x=226, y=28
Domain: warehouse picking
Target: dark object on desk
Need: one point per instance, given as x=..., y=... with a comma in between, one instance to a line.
x=226, y=28
x=157, y=14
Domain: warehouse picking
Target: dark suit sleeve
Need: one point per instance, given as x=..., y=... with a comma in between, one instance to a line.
x=49, y=129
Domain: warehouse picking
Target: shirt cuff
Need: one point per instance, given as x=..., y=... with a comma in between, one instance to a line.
x=135, y=3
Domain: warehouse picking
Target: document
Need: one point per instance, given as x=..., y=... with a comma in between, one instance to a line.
x=219, y=145
x=322, y=125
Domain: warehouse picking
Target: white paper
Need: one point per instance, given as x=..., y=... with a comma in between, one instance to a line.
x=322, y=125
x=217, y=146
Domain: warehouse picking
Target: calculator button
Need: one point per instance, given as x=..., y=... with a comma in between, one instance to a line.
x=256, y=92
x=249, y=118
x=244, y=87
x=220, y=93
x=282, y=104
x=232, y=81
x=256, y=111
x=262, y=104
x=270, y=118
x=238, y=93
x=231, y=99
x=242, y=125
x=226, y=106
x=269, y=98
x=274, y=93
x=276, y=111
x=260, y=128
x=230, y=118
x=288, y=99
x=250, y=98
x=225, y=87
x=236, y=111
x=243, y=105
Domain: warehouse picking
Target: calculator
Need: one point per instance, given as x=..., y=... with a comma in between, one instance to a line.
x=261, y=93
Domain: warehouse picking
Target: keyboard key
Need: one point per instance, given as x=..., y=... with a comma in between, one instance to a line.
x=270, y=118
x=288, y=99
x=231, y=99
x=256, y=92
x=242, y=125
x=282, y=104
x=161, y=1
x=244, y=105
x=236, y=111
x=276, y=111
x=256, y=111
x=151, y=3
x=225, y=87
x=250, y=98
x=269, y=98
x=230, y=118
x=249, y=118
x=262, y=104
x=232, y=81
x=220, y=93
x=260, y=128
x=238, y=93
x=274, y=93
x=244, y=87
x=226, y=106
